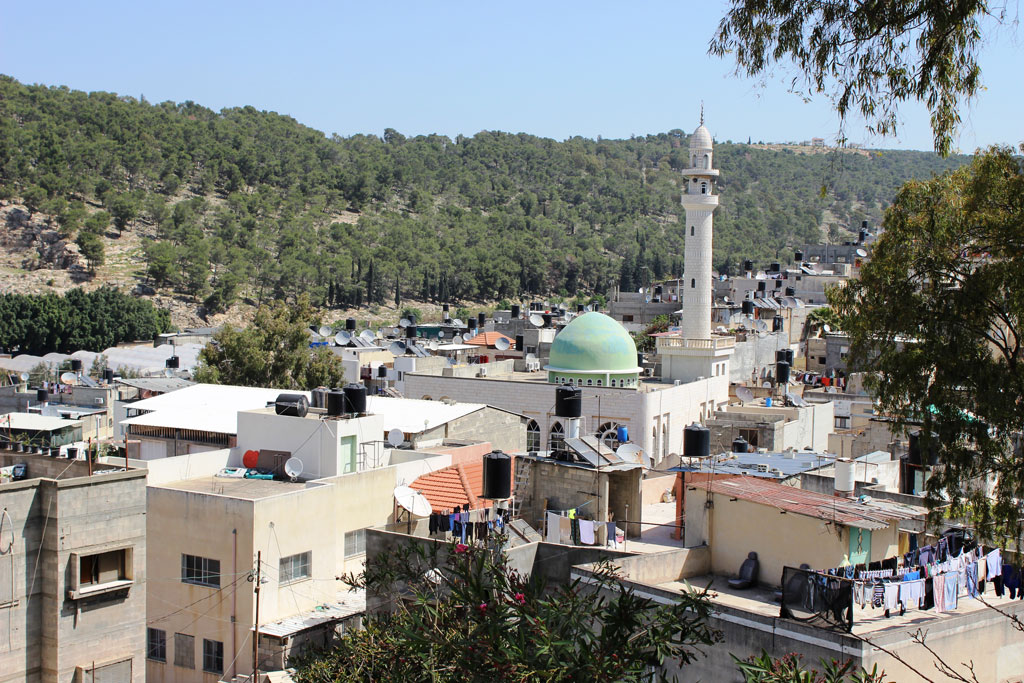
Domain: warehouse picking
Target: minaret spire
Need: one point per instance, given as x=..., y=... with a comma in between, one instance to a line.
x=702, y=112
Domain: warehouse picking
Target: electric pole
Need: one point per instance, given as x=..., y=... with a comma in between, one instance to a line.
x=256, y=624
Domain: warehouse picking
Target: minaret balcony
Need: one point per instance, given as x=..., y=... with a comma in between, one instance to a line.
x=697, y=201
x=697, y=171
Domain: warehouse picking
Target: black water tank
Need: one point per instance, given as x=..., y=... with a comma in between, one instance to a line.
x=568, y=401
x=172, y=362
x=335, y=402
x=748, y=307
x=318, y=398
x=520, y=342
x=778, y=284
x=864, y=225
x=740, y=445
x=782, y=372
x=798, y=256
x=382, y=371
x=915, y=455
x=762, y=286
x=481, y=319
x=657, y=290
x=71, y=453
x=350, y=323
x=777, y=323
x=515, y=311
x=537, y=306
x=780, y=355
x=790, y=291
x=580, y=308
x=410, y=332
x=776, y=267
x=862, y=236
x=789, y=357
x=42, y=395
x=471, y=324
x=355, y=398
x=295, y=405
x=639, y=359
x=547, y=319
x=497, y=476
x=108, y=375
x=445, y=307
x=748, y=265
x=76, y=365
x=696, y=441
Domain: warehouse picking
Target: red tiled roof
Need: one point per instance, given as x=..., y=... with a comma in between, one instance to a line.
x=489, y=339
x=809, y=503
x=453, y=485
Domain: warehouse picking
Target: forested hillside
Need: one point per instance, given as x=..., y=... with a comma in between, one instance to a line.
x=244, y=203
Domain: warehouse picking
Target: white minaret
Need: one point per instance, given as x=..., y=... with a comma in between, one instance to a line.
x=700, y=201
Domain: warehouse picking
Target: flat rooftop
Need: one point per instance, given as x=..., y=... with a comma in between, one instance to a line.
x=231, y=487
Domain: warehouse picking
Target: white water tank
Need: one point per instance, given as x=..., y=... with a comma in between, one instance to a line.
x=845, y=484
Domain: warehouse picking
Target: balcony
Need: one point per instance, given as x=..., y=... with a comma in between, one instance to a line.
x=715, y=343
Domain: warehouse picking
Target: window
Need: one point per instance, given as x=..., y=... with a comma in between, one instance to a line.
x=532, y=436
x=750, y=436
x=184, y=651
x=691, y=230
x=590, y=382
x=213, y=656
x=693, y=283
x=609, y=434
x=107, y=567
x=201, y=571
x=556, y=438
x=600, y=382
x=703, y=188
x=355, y=543
x=842, y=422
x=294, y=567
x=156, y=644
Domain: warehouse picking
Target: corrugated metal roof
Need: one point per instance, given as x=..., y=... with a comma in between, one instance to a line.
x=158, y=384
x=347, y=604
x=34, y=422
x=865, y=515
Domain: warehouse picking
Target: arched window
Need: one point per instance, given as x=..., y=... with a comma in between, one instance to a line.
x=703, y=188
x=707, y=161
x=532, y=436
x=590, y=382
x=426, y=398
x=600, y=382
x=691, y=230
x=579, y=381
x=693, y=283
x=609, y=434
x=556, y=438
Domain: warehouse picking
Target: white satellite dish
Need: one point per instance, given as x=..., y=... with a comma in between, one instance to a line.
x=293, y=468
x=826, y=327
x=324, y=331
x=640, y=291
x=457, y=339
x=397, y=348
x=761, y=275
x=404, y=322
x=396, y=437
x=68, y=378
x=342, y=338
x=789, y=302
x=531, y=356
x=766, y=385
x=433, y=345
x=629, y=452
x=761, y=326
x=744, y=394
x=458, y=323
x=396, y=331
x=589, y=308
x=367, y=335
x=168, y=372
x=24, y=376
x=440, y=334
x=413, y=501
x=536, y=320
x=862, y=253
x=502, y=344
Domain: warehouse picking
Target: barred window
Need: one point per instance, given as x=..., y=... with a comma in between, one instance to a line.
x=156, y=644
x=213, y=656
x=201, y=571
x=294, y=567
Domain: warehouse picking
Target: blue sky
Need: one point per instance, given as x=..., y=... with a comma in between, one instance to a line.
x=554, y=69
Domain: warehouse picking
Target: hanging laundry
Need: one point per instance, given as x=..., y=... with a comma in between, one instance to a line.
x=586, y=532
x=939, y=592
x=565, y=530
x=912, y=593
x=553, y=533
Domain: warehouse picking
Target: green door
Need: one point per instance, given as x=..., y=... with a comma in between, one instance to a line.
x=860, y=545
x=347, y=454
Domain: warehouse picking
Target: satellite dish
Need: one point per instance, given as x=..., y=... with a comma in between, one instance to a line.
x=168, y=372
x=589, y=308
x=293, y=468
x=433, y=345
x=831, y=390
x=404, y=322
x=397, y=348
x=761, y=275
x=413, y=501
x=440, y=334
x=458, y=323
x=725, y=299
x=342, y=338
x=457, y=339
x=325, y=331
x=640, y=291
x=68, y=378
x=862, y=253
x=502, y=344
x=396, y=331
x=24, y=376
x=761, y=326
x=629, y=452
x=367, y=335
x=744, y=394
x=826, y=327
x=396, y=437
x=536, y=320
x=766, y=385
x=531, y=356
x=798, y=401
x=789, y=302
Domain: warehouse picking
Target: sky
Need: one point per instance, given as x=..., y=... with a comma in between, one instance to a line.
x=553, y=69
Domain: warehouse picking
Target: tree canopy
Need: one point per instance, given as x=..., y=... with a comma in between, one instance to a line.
x=937, y=317
x=866, y=56
x=273, y=351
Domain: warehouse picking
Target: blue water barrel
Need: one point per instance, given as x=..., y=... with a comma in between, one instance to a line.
x=622, y=434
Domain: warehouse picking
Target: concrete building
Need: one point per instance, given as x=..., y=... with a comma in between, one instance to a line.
x=72, y=571
x=776, y=428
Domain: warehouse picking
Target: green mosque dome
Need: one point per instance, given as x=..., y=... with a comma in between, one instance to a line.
x=593, y=343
